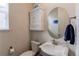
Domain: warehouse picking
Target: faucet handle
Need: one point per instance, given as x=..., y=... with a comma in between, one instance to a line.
x=59, y=35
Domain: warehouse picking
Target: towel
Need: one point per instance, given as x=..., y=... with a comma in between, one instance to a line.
x=69, y=34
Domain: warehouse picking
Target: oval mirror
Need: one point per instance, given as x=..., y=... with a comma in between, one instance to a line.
x=58, y=19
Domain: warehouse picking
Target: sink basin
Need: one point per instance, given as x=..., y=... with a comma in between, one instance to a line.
x=54, y=50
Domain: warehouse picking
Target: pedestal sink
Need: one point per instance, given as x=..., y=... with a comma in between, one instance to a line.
x=53, y=50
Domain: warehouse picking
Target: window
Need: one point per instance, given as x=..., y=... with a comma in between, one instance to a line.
x=4, y=20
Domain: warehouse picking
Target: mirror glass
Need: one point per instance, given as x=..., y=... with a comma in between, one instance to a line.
x=58, y=20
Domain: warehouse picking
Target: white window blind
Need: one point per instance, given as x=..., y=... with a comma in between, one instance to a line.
x=4, y=20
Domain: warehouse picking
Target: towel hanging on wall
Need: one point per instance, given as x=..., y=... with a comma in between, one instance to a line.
x=69, y=34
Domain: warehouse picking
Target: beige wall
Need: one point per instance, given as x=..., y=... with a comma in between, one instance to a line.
x=18, y=35
x=44, y=36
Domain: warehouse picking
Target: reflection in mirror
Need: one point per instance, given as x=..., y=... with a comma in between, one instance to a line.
x=58, y=19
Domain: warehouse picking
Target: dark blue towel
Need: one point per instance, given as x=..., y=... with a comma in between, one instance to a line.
x=69, y=34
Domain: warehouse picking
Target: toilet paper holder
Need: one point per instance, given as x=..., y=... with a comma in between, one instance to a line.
x=11, y=50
